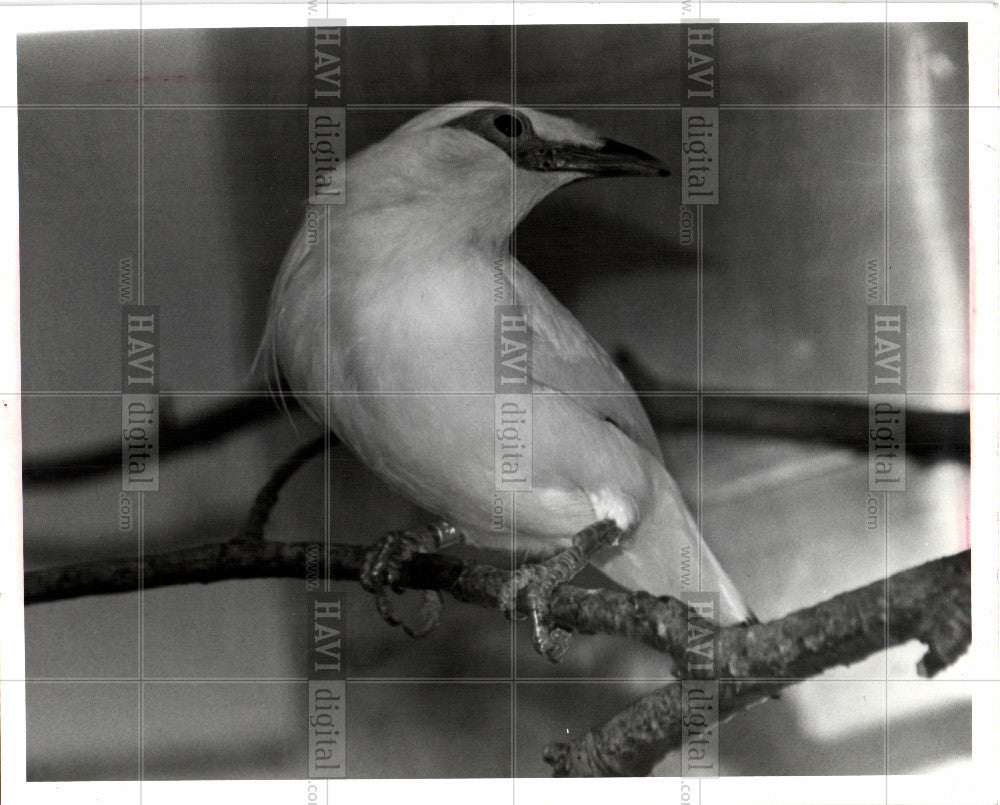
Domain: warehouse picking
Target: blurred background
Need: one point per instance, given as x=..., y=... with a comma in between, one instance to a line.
x=838, y=145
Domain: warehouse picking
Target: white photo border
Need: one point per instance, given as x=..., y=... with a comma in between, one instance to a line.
x=971, y=782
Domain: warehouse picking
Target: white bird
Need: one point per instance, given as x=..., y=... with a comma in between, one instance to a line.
x=394, y=325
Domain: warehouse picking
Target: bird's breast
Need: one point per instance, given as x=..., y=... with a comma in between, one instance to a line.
x=420, y=327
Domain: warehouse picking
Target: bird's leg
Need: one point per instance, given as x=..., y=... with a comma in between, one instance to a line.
x=534, y=583
x=382, y=572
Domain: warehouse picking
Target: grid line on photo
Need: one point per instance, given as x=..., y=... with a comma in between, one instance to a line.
x=513, y=667
x=679, y=393
x=140, y=297
x=699, y=239
x=487, y=680
x=327, y=410
x=885, y=495
x=576, y=107
x=700, y=394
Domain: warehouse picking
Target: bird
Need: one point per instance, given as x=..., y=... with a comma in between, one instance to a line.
x=388, y=337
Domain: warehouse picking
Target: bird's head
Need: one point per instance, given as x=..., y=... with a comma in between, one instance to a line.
x=486, y=155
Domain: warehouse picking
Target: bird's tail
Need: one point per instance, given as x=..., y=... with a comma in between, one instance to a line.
x=666, y=555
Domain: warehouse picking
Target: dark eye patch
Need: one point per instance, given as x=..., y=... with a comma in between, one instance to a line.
x=509, y=126
x=510, y=132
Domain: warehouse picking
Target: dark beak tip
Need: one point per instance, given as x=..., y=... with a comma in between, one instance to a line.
x=632, y=161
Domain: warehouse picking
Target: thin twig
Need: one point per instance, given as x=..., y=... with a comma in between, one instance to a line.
x=253, y=527
x=174, y=437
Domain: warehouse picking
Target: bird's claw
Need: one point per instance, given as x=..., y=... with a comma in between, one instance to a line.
x=383, y=563
x=429, y=615
x=382, y=574
x=537, y=582
x=551, y=642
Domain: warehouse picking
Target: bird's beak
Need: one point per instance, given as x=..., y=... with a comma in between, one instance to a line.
x=612, y=158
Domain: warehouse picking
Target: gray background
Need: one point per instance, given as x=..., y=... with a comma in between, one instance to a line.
x=221, y=159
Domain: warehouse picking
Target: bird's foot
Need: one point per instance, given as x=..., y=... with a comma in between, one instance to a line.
x=535, y=583
x=382, y=573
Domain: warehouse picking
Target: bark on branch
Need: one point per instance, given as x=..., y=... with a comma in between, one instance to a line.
x=930, y=603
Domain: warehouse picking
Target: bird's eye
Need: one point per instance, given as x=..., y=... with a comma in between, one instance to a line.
x=509, y=126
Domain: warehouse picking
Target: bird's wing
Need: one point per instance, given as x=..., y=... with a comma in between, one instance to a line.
x=566, y=359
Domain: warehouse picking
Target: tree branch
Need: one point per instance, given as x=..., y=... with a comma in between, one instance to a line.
x=930, y=435
x=930, y=603
x=204, y=428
